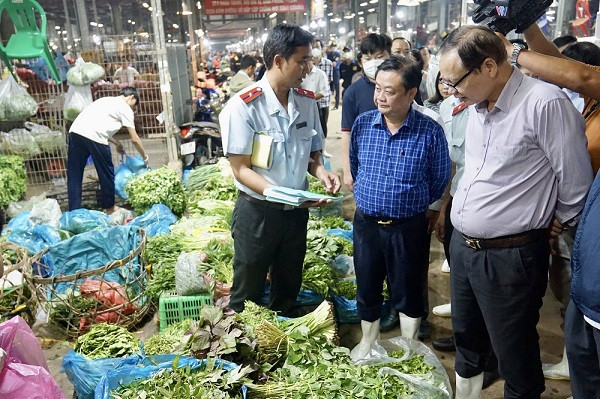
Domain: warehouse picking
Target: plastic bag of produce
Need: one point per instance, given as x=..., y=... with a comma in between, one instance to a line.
x=126, y=374
x=15, y=208
x=188, y=279
x=16, y=104
x=82, y=220
x=20, y=343
x=47, y=139
x=346, y=310
x=84, y=73
x=20, y=142
x=120, y=217
x=136, y=163
x=433, y=383
x=76, y=99
x=122, y=176
x=343, y=265
x=24, y=381
x=86, y=373
x=156, y=220
x=46, y=212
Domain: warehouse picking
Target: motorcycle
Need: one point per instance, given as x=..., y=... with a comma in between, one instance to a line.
x=200, y=143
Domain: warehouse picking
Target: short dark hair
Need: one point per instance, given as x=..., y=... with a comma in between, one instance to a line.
x=474, y=43
x=407, y=68
x=130, y=91
x=564, y=40
x=375, y=42
x=416, y=54
x=585, y=52
x=247, y=62
x=437, y=97
x=405, y=39
x=284, y=39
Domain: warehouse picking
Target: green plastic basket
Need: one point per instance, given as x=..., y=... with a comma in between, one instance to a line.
x=173, y=308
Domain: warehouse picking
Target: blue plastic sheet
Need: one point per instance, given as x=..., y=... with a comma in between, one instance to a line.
x=347, y=234
x=91, y=250
x=20, y=222
x=82, y=220
x=85, y=374
x=122, y=177
x=34, y=238
x=305, y=297
x=156, y=220
x=127, y=374
x=346, y=310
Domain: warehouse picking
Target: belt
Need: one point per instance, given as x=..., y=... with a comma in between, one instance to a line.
x=389, y=222
x=265, y=203
x=511, y=241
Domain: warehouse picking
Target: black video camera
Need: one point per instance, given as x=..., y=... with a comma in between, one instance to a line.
x=505, y=15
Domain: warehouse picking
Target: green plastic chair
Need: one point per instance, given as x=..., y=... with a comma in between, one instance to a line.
x=29, y=40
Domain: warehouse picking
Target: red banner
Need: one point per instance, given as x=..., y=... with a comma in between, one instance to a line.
x=214, y=34
x=227, y=7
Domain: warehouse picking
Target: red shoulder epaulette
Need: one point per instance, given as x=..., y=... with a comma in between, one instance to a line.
x=460, y=107
x=251, y=94
x=306, y=93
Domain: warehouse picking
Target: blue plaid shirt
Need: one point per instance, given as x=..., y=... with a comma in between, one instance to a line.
x=398, y=176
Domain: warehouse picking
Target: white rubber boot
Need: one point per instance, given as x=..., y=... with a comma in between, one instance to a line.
x=558, y=371
x=370, y=332
x=444, y=310
x=446, y=266
x=468, y=388
x=409, y=327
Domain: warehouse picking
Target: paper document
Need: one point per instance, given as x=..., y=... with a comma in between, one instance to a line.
x=291, y=196
x=262, y=151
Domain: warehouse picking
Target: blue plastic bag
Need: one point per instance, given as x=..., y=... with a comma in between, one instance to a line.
x=20, y=222
x=135, y=164
x=156, y=220
x=93, y=249
x=122, y=177
x=35, y=238
x=85, y=374
x=347, y=234
x=346, y=310
x=82, y=220
x=305, y=297
x=113, y=379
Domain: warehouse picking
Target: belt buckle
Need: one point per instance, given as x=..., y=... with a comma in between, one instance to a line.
x=385, y=223
x=287, y=207
x=472, y=243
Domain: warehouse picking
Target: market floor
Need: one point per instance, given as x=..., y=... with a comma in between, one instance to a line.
x=551, y=336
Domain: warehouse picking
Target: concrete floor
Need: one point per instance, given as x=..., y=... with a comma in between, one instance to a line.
x=551, y=336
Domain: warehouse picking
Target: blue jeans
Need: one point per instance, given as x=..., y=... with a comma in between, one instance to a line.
x=583, y=351
x=80, y=148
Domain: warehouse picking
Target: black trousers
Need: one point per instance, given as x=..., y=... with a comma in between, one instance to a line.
x=267, y=240
x=323, y=117
x=335, y=86
x=583, y=350
x=496, y=299
x=448, y=230
x=398, y=252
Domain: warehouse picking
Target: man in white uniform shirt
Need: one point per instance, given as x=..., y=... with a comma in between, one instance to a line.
x=317, y=82
x=126, y=74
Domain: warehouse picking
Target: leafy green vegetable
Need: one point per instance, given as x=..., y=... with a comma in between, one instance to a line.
x=319, y=277
x=254, y=314
x=13, y=182
x=219, y=188
x=327, y=223
x=220, y=259
x=209, y=381
x=169, y=340
x=107, y=340
x=160, y=186
x=199, y=177
x=345, y=288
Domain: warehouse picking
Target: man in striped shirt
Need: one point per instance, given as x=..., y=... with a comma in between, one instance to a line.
x=399, y=162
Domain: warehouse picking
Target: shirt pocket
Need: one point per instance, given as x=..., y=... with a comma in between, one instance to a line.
x=304, y=138
x=456, y=147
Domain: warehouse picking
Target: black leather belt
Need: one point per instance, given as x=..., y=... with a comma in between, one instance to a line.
x=511, y=241
x=265, y=203
x=389, y=222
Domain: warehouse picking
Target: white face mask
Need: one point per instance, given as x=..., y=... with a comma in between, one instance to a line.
x=370, y=67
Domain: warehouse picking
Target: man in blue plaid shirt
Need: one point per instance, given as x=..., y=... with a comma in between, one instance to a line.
x=400, y=164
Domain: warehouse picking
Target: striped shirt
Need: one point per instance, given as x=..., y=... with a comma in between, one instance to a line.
x=399, y=175
x=326, y=66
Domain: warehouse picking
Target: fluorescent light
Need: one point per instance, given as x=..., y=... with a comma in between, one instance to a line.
x=273, y=15
x=175, y=26
x=145, y=5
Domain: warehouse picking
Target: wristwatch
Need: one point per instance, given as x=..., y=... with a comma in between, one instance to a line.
x=517, y=48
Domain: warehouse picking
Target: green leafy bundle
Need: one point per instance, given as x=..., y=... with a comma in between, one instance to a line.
x=317, y=275
x=199, y=177
x=169, y=340
x=13, y=181
x=219, y=188
x=107, y=340
x=209, y=381
x=345, y=288
x=254, y=314
x=220, y=259
x=160, y=186
x=327, y=223
x=322, y=245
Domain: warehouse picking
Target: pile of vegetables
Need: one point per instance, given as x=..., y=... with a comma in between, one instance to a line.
x=209, y=381
x=345, y=288
x=160, y=186
x=107, y=341
x=199, y=177
x=169, y=340
x=13, y=182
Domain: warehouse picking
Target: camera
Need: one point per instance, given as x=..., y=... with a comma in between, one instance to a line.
x=504, y=16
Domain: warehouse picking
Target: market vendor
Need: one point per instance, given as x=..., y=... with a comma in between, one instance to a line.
x=268, y=236
x=90, y=134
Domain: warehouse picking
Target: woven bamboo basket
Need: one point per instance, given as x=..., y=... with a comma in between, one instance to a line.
x=90, y=299
x=14, y=296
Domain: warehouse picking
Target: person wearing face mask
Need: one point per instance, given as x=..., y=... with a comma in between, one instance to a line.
x=322, y=62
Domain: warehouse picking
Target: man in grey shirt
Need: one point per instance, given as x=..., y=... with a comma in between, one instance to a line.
x=527, y=173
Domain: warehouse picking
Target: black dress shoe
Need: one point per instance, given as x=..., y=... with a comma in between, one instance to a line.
x=444, y=344
x=389, y=321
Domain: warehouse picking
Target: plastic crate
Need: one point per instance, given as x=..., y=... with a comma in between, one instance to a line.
x=173, y=308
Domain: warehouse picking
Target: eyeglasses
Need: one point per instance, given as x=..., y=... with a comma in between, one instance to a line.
x=455, y=85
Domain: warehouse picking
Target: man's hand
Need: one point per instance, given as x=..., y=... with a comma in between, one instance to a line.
x=556, y=228
x=432, y=217
x=146, y=160
x=119, y=146
x=440, y=227
x=330, y=180
x=316, y=204
x=349, y=181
